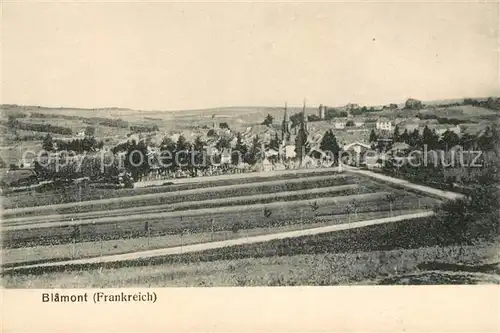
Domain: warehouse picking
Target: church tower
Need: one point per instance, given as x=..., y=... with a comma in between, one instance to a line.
x=301, y=142
x=286, y=126
x=214, y=122
x=304, y=118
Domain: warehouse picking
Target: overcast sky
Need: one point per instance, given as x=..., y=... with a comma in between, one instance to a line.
x=167, y=56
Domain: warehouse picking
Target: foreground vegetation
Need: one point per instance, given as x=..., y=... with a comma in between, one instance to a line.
x=375, y=267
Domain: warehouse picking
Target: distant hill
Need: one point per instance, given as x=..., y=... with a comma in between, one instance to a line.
x=252, y=113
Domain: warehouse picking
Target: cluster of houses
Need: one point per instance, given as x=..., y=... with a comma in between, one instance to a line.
x=388, y=124
x=352, y=134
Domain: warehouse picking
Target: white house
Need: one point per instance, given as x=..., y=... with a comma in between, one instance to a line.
x=399, y=147
x=225, y=156
x=356, y=152
x=290, y=151
x=384, y=124
x=340, y=123
x=271, y=152
x=357, y=147
x=358, y=122
x=263, y=165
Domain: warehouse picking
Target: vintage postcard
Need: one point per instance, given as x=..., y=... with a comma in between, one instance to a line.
x=149, y=145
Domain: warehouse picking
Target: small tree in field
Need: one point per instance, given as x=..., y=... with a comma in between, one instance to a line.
x=352, y=207
x=267, y=212
x=235, y=227
x=349, y=211
x=147, y=230
x=314, y=206
x=212, y=225
x=75, y=235
x=391, y=198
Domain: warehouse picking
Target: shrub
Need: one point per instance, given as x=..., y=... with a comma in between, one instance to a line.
x=475, y=217
x=235, y=227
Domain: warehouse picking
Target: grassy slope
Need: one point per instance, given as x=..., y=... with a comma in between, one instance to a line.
x=312, y=269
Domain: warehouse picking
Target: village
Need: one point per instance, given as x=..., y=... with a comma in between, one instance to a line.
x=366, y=137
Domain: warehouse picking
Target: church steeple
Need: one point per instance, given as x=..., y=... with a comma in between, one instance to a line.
x=301, y=144
x=285, y=129
x=304, y=116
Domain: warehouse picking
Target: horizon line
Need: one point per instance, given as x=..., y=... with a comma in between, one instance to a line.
x=233, y=106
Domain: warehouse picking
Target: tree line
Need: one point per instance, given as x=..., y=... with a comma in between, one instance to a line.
x=144, y=128
x=13, y=123
x=490, y=103
x=86, y=144
x=184, y=155
x=108, y=122
x=485, y=141
x=443, y=170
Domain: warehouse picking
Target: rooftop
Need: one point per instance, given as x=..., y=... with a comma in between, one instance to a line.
x=383, y=119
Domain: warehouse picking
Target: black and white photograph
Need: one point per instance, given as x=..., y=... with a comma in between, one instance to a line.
x=249, y=144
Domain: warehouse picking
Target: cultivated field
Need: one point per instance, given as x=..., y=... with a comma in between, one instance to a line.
x=68, y=251
x=191, y=213
x=67, y=194
x=387, y=253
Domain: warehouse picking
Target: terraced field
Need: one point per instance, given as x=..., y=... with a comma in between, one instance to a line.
x=180, y=212
x=105, y=247
x=71, y=194
x=189, y=192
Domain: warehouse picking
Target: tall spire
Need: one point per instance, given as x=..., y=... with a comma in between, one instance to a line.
x=285, y=128
x=304, y=118
x=304, y=115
